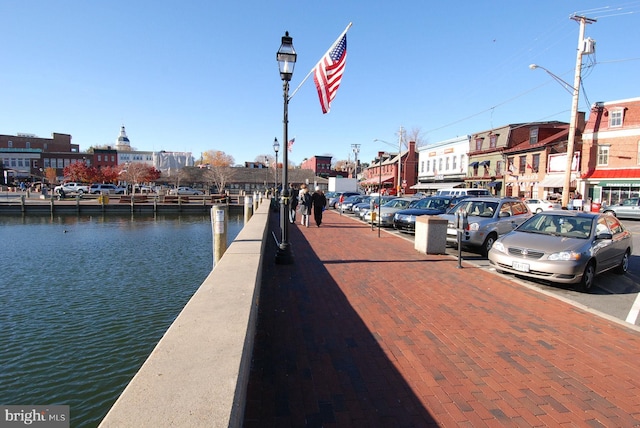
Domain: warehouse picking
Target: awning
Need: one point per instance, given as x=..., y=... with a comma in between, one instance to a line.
x=473, y=164
x=556, y=180
x=376, y=180
x=485, y=163
x=437, y=185
x=614, y=173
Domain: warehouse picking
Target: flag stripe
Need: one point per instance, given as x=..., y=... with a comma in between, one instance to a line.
x=328, y=73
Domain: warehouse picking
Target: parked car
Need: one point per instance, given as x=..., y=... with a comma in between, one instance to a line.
x=363, y=207
x=332, y=202
x=538, y=205
x=143, y=188
x=183, y=190
x=564, y=247
x=384, y=215
x=629, y=208
x=488, y=218
x=71, y=188
x=405, y=220
x=348, y=203
x=105, y=188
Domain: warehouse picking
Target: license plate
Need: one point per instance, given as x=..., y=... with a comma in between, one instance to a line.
x=452, y=231
x=521, y=267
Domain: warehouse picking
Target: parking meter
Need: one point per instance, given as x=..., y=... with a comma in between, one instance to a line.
x=462, y=221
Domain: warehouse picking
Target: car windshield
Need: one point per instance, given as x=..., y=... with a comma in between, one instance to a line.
x=397, y=203
x=477, y=208
x=558, y=225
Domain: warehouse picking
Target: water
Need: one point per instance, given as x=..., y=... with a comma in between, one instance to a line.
x=84, y=300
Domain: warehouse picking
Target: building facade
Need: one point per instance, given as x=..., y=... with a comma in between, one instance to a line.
x=610, y=161
x=442, y=165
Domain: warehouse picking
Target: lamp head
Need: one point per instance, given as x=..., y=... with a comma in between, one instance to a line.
x=533, y=66
x=276, y=145
x=286, y=57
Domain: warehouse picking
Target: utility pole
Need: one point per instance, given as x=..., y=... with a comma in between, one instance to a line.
x=356, y=150
x=399, y=189
x=574, y=108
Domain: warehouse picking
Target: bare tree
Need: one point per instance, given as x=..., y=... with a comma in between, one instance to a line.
x=219, y=168
x=416, y=135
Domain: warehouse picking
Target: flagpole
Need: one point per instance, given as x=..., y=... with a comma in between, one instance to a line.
x=321, y=58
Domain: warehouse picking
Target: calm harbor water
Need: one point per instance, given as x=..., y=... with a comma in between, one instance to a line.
x=86, y=299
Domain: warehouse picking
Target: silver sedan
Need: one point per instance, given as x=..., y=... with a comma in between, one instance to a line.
x=564, y=247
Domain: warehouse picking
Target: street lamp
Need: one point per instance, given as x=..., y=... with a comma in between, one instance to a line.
x=276, y=148
x=286, y=57
x=575, y=91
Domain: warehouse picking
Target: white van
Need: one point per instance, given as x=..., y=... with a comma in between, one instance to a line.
x=463, y=192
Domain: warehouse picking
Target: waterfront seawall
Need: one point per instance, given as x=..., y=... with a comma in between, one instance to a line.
x=197, y=374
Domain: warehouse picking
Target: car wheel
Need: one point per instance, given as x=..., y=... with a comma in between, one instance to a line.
x=622, y=268
x=613, y=213
x=80, y=192
x=539, y=210
x=588, y=276
x=488, y=243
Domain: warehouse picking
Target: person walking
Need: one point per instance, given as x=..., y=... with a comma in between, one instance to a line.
x=293, y=203
x=305, y=205
x=319, y=202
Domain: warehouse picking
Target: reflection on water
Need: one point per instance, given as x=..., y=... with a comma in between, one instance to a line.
x=85, y=300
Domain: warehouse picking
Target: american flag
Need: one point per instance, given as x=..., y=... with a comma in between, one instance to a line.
x=328, y=73
x=290, y=144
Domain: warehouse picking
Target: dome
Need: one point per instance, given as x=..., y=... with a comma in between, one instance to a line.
x=123, y=143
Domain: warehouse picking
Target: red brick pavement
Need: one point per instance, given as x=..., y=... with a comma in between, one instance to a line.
x=364, y=331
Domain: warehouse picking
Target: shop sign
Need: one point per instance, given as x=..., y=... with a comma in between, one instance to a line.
x=626, y=183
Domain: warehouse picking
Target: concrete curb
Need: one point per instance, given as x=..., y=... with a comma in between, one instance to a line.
x=197, y=374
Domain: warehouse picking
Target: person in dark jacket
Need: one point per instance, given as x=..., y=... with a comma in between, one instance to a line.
x=293, y=203
x=319, y=203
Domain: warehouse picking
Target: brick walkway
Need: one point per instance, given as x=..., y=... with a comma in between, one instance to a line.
x=364, y=331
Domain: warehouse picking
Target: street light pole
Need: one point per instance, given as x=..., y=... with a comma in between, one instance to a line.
x=276, y=148
x=286, y=57
x=575, y=90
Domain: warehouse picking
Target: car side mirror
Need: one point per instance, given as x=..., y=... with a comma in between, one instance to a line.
x=504, y=214
x=604, y=235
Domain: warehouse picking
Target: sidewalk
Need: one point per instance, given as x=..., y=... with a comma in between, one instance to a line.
x=364, y=331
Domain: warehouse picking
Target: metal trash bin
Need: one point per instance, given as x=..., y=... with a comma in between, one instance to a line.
x=431, y=234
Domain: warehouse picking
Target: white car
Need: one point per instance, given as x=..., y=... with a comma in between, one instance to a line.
x=384, y=215
x=539, y=205
x=185, y=191
x=71, y=188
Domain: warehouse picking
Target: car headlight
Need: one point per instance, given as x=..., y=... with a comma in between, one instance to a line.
x=565, y=255
x=386, y=215
x=499, y=246
x=474, y=226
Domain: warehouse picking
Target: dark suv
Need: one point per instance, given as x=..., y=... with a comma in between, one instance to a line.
x=487, y=218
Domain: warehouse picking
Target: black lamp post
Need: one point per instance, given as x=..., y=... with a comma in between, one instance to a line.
x=286, y=57
x=276, y=148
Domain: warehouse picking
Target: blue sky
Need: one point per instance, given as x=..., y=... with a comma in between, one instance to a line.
x=201, y=75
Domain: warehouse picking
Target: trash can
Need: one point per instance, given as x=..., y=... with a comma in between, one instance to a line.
x=595, y=207
x=431, y=234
